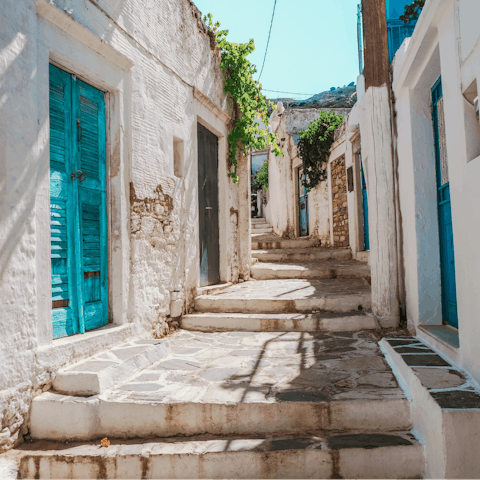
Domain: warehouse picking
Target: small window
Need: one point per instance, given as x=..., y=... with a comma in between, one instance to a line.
x=178, y=157
x=350, y=179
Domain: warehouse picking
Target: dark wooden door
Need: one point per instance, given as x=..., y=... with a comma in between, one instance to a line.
x=208, y=207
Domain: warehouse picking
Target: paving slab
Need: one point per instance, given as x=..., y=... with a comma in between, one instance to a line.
x=100, y=372
x=289, y=296
x=272, y=241
x=286, y=322
x=302, y=254
x=239, y=383
x=310, y=270
x=394, y=455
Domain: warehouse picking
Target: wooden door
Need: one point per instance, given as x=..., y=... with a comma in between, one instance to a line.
x=366, y=231
x=444, y=207
x=208, y=206
x=302, y=205
x=78, y=205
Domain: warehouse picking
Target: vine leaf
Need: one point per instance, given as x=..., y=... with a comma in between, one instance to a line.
x=314, y=147
x=246, y=134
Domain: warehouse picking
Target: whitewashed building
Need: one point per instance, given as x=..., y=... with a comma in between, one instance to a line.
x=112, y=114
x=419, y=138
x=292, y=212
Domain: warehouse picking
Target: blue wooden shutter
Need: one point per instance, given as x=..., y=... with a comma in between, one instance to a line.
x=64, y=307
x=89, y=108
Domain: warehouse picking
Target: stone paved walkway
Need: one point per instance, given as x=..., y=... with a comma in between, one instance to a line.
x=265, y=367
x=295, y=289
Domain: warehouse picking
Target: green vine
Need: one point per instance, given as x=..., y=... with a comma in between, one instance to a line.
x=412, y=11
x=314, y=147
x=261, y=178
x=246, y=134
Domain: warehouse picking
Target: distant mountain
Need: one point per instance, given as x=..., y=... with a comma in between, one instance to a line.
x=342, y=97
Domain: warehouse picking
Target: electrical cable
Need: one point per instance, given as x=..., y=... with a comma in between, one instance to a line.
x=291, y=93
x=268, y=41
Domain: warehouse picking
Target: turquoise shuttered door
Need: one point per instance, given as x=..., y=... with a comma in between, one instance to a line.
x=91, y=160
x=64, y=307
x=78, y=205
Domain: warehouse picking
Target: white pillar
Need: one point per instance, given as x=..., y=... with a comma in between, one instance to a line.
x=377, y=153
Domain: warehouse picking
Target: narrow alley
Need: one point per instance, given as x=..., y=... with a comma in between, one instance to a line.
x=207, y=272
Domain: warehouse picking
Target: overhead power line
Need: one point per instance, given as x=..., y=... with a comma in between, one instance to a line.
x=290, y=93
x=268, y=41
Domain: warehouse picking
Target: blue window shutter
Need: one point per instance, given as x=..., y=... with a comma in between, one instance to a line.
x=90, y=156
x=64, y=307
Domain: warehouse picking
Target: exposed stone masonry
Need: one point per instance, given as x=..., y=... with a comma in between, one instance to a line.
x=340, y=205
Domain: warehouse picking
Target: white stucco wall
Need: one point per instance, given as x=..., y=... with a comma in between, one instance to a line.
x=282, y=207
x=446, y=42
x=155, y=63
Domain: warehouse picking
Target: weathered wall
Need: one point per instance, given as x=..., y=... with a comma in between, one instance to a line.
x=155, y=62
x=453, y=54
x=339, y=202
x=282, y=207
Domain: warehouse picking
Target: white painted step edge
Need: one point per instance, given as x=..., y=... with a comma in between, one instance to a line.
x=225, y=322
x=224, y=458
x=328, y=303
x=93, y=383
x=60, y=417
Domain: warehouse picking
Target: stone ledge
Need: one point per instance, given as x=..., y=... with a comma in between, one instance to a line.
x=100, y=372
x=69, y=350
x=392, y=455
x=445, y=407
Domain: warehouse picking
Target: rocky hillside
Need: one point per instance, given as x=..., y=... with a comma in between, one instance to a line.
x=342, y=97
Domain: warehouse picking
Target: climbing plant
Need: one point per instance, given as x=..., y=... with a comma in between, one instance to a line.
x=314, y=147
x=412, y=11
x=261, y=178
x=246, y=93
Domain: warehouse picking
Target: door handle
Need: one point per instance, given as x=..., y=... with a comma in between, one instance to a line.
x=80, y=176
x=208, y=208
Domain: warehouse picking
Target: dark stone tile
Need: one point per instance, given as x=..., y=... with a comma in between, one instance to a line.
x=290, y=444
x=125, y=353
x=149, y=342
x=402, y=341
x=339, y=342
x=179, y=364
x=413, y=350
x=326, y=357
x=141, y=387
x=425, y=361
x=301, y=397
x=218, y=374
x=344, y=334
x=92, y=366
x=340, y=350
x=457, y=399
x=366, y=441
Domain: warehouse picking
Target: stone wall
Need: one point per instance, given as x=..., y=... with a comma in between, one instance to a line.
x=156, y=63
x=340, y=204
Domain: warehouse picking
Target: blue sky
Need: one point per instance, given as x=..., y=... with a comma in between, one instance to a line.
x=313, y=45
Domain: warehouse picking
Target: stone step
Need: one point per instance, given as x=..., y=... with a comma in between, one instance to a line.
x=355, y=455
x=258, y=220
x=239, y=383
x=262, y=229
x=316, y=322
x=323, y=269
x=271, y=242
x=102, y=371
x=289, y=296
x=302, y=254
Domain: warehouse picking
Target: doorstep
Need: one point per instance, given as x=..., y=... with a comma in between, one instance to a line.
x=445, y=406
